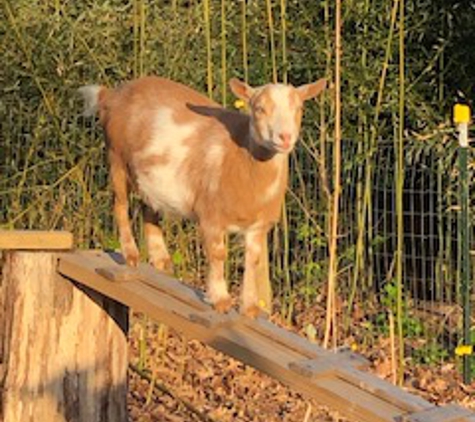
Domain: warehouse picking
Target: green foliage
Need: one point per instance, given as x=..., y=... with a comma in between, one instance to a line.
x=412, y=326
x=429, y=354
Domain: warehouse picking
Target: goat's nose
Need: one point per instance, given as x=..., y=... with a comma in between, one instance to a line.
x=285, y=138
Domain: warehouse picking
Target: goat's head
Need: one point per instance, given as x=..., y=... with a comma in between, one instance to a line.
x=276, y=111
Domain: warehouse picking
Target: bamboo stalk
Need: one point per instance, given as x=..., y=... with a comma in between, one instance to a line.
x=136, y=36
x=285, y=264
x=392, y=339
x=331, y=323
x=399, y=197
x=285, y=218
x=224, y=76
x=244, y=40
x=384, y=70
x=209, y=57
x=270, y=25
x=368, y=197
x=360, y=199
x=142, y=38
x=283, y=21
x=322, y=163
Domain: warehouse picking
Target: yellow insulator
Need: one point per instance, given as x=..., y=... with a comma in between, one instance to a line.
x=461, y=113
x=464, y=350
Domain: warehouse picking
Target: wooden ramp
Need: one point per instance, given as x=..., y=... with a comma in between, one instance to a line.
x=337, y=380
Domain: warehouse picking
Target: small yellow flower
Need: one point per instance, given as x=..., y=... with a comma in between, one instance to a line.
x=354, y=347
x=262, y=302
x=240, y=104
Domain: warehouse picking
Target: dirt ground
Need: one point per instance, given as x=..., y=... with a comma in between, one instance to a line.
x=195, y=383
x=183, y=380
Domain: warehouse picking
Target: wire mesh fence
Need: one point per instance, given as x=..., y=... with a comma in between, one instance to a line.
x=431, y=257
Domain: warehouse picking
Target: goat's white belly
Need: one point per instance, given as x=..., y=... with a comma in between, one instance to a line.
x=163, y=189
x=162, y=185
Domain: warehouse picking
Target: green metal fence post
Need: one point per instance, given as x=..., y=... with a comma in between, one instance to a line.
x=462, y=118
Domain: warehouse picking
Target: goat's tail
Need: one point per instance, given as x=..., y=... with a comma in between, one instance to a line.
x=93, y=96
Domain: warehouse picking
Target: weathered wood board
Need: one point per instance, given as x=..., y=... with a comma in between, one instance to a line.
x=35, y=240
x=333, y=379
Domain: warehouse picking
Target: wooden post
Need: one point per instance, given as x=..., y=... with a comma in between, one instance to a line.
x=63, y=348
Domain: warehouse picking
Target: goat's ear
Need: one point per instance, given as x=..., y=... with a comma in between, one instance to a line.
x=306, y=92
x=241, y=89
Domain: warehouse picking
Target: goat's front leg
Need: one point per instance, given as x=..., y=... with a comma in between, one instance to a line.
x=157, y=250
x=254, y=240
x=217, y=289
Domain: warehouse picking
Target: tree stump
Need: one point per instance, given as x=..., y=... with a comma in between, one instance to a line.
x=63, y=348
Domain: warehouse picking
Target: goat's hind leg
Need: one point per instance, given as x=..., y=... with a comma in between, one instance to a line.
x=121, y=209
x=157, y=250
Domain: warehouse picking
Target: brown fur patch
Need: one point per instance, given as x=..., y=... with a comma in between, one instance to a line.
x=152, y=161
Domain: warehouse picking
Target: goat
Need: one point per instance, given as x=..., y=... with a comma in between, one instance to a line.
x=186, y=155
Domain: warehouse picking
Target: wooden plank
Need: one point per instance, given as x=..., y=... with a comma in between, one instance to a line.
x=328, y=363
x=172, y=287
x=274, y=359
x=302, y=346
x=81, y=267
x=286, y=338
x=212, y=319
x=118, y=273
x=334, y=379
x=382, y=389
x=358, y=403
x=314, y=369
x=35, y=240
x=356, y=360
x=449, y=413
x=348, y=371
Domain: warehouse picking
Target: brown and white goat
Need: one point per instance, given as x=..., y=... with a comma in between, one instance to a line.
x=187, y=155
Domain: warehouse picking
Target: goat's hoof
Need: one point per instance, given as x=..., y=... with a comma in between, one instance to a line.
x=131, y=254
x=163, y=265
x=132, y=260
x=252, y=311
x=223, y=305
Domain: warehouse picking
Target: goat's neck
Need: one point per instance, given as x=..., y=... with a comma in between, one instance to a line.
x=260, y=153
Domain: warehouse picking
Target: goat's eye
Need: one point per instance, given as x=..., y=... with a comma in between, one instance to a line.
x=259, y=110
